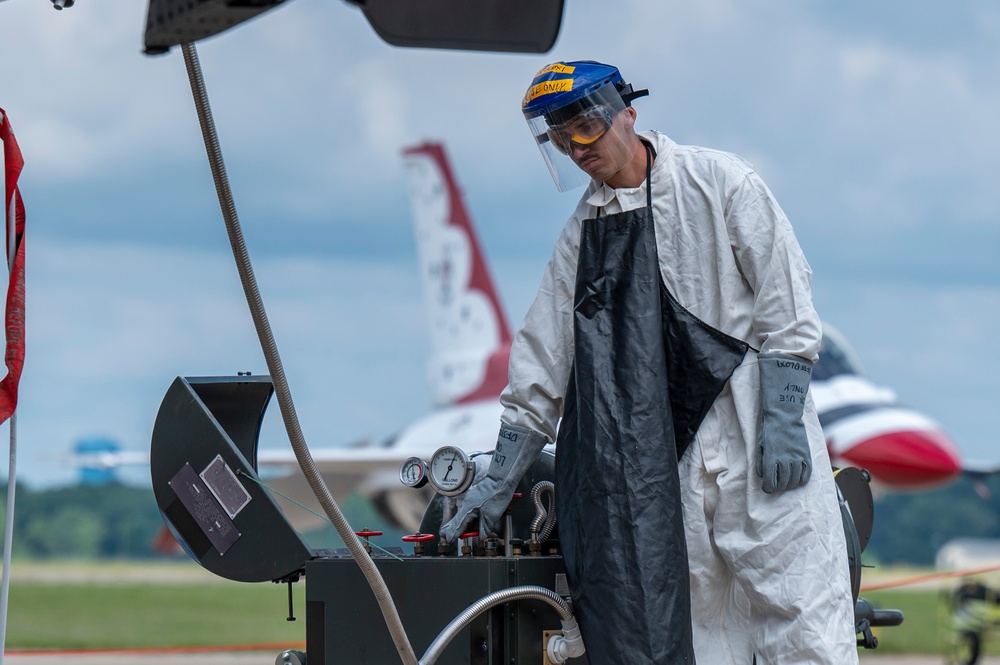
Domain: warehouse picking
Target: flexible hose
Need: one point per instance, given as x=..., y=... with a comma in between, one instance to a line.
x=545, y=520
x=8, y=533
x=485, y=603
x=275, y=368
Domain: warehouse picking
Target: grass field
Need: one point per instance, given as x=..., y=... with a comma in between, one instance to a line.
x=926, y=606
x=923, y=630
x=116, y=605
x=101, y=606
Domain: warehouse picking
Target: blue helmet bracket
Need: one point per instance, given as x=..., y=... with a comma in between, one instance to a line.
x=563, y=89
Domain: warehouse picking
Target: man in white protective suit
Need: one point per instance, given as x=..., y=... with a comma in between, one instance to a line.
x=672, y=342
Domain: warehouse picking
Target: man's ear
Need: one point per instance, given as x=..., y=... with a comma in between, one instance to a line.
x=629, y=117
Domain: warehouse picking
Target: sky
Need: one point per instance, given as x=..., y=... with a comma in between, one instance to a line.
x=874, y=124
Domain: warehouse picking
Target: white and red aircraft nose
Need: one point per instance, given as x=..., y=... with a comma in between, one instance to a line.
x=866, y=427
x=913, y=459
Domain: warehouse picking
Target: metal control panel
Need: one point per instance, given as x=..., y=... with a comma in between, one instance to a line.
x=344, y=625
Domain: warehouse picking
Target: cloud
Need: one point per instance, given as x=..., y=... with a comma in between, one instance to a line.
x=111, y=325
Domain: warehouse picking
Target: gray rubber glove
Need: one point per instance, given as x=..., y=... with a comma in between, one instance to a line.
x=784, y=460
x=517, y=448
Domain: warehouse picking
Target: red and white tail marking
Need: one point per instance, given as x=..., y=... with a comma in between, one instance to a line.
x=470, y=338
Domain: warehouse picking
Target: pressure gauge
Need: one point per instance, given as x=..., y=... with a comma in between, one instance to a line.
x=450, y=470
x=413, y=472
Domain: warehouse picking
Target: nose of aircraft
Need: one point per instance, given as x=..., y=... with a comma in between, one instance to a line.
x=914, y=459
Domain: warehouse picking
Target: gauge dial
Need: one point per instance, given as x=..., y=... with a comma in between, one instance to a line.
x=450, y=471
x=413, y=472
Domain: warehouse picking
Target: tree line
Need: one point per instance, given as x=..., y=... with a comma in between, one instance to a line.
x=911, y=527
x=121, y=521
x=84, y=521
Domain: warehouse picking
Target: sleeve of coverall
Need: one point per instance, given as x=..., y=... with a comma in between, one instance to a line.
x=772, y=262
x=542, y=352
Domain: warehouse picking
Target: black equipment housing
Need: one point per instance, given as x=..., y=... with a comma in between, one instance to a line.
x=204, y=444
x=519, y=26
x=199, y=420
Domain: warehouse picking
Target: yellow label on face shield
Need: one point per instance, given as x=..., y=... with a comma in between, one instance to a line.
x=558, y=68
x=547, y=88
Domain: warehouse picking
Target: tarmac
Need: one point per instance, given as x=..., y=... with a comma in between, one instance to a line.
x=262, y=658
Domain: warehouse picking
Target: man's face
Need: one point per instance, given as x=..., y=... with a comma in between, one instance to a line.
x=605, y=155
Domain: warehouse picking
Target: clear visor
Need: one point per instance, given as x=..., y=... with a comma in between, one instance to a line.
x=564, y=172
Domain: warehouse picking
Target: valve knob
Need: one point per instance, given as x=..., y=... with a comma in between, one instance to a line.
x=418, y=537
x=366, y=534
x=467, y=539
x=418, y=540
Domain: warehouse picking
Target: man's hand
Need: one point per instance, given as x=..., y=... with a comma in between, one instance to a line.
x=784, y=459
x=517, y=448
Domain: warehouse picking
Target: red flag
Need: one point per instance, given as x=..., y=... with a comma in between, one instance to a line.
x=14, y=319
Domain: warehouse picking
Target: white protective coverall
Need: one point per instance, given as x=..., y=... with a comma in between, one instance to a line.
x=769, y=573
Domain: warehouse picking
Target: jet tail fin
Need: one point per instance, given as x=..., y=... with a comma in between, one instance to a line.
x=470, y=337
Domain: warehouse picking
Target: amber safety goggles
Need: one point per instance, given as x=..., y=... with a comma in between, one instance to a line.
x=582, y=129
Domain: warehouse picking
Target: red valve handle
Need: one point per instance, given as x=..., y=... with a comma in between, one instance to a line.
x=419, y=537
x=517, y=495
x=470, y=534
x=366, y=533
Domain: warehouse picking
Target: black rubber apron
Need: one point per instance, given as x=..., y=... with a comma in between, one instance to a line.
x=622, y=432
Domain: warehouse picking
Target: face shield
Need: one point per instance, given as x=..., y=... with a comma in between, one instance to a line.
x=565, y=173
x=574, y=113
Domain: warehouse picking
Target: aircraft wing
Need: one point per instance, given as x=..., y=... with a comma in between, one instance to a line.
x=344, y=470
x=343, y=460
x=373, y=471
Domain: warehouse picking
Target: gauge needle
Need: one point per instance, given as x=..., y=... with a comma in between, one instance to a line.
x=450, y=466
